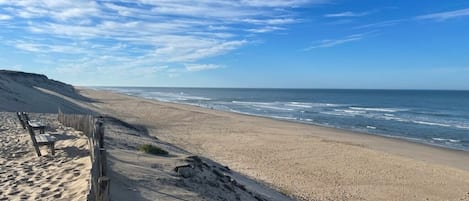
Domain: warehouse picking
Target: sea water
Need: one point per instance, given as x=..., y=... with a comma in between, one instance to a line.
x=438, y=118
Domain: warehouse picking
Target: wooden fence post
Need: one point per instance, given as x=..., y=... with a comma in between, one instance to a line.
x=102, y=158
x=100, y=133
x=104, y=187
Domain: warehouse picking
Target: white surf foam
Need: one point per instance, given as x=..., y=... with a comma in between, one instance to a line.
x=445, y=140
x=376, y=109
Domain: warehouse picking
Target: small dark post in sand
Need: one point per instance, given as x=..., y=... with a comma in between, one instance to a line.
x=21, y=119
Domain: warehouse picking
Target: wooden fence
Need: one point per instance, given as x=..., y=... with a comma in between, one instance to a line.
x=93, y=128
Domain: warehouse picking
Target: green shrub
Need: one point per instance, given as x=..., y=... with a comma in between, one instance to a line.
x=148, y=148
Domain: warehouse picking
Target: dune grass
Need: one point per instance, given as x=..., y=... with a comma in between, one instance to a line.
x=148, y=148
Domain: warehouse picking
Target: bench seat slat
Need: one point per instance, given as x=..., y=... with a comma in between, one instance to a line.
x=45, y=138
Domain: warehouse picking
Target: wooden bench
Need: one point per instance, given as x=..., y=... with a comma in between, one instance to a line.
x=38, y=126
x=35, y=124
x=41, y=140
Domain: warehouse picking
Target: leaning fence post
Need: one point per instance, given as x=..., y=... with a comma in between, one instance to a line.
x=100, y=133
x=104, y=187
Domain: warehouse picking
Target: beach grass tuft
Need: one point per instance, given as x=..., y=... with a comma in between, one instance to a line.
x=148, y=148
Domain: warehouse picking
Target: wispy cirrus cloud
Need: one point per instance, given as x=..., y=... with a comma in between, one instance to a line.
x=141, y=33
x=281, y=3
x=381, y=24
x=201, y=67
x=348, y=14
x=442, y=16
x=265, y=29
x=334, y=42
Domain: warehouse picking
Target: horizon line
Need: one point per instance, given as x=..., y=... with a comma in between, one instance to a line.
x=273, y=88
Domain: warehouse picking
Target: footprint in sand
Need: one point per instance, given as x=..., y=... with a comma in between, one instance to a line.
x=13, y=192
x=57, y=195
x=24, y=196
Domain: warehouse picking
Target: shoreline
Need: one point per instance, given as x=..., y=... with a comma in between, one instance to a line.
x=395, y=139
x=391, y=135
x=303, y=160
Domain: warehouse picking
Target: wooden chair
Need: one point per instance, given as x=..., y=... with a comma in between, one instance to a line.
x=41, y=140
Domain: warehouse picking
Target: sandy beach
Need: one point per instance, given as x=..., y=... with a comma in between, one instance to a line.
x=308, y=162
x=25, y=176
x=133, y=174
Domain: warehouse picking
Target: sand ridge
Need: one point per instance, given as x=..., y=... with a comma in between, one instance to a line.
x=25, y=176
x=139, y=176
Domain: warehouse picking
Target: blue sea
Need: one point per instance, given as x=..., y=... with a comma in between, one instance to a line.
x=438, y=118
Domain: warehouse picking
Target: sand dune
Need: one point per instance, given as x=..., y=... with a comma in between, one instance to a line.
x=134, y=175
x=20, y=92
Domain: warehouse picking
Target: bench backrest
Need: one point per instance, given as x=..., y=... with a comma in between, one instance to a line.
x=21, y=119
x=33, y=139
x=25, y=117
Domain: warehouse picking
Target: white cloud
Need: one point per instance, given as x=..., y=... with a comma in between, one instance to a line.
x=264, y=29
x=46, y=48
x=5, y=17
x=445, y=15
x=273, y=21
x=281, y=3
x=334, y=42
x=348, y=14
x=140, y=34
x=201, y=67
x=380, y=24
x=14, y=68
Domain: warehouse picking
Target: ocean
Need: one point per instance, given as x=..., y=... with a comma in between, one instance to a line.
x=439, y=118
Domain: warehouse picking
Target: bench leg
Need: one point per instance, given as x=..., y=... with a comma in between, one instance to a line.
x=52, y=148
x=38, y=151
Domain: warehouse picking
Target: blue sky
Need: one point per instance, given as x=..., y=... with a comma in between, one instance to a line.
x=244, y=43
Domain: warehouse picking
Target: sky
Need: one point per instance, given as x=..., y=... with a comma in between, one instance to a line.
x=361, y=44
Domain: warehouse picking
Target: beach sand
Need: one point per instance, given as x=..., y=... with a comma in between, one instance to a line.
x=25, y=176
x=308, y=162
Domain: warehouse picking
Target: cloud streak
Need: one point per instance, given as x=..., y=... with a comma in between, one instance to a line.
x=347, y=14
x=201, y=67
x=335, y=42
x=442, y=16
